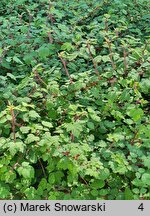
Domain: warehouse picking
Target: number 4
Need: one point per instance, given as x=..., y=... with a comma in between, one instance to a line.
x=141, y=207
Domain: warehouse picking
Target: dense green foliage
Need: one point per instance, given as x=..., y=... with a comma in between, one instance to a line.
x=74, y=99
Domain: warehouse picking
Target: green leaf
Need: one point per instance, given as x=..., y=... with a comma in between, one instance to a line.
x=146, y=179
x=67, y=46
x=146, y=161
x=95, y=117
x=104, y=174
x=98, y=59
x=136, y=114
x=94, y=193
x=90, y=125
x=65, y=164
x=17, y=60
x=97, y=184
x=33, y=114
x=128, y=194
x=31, y=193
x=43, y=52
x=47, y=124
x=76, y=128
x=58, y=176
x=4, y=191
x=26, y=170
x=15, y=147
x=25, y=129
x=11, y=76
x=72, y=56
x=32, y=138
x=92, y=50
x=105, y=58
x=43, y=184
x=51, y=178
x=23, y=83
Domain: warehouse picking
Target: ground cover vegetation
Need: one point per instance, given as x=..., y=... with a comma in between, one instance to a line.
x=74, y=99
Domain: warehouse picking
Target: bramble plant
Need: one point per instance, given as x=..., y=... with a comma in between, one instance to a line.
x=74, y=100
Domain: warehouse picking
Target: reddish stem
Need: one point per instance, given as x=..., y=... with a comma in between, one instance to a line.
x=66, y=70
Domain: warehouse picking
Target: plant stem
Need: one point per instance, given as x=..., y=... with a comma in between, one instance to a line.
x=38, y=78
x=50, y=16
x=125, y=61
x=66, y=70
x=106, y=25
x=111, y=54
x=91, y=56
x=50, y=37
x=43, y=169
x=13, y=123
x=29, y=27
